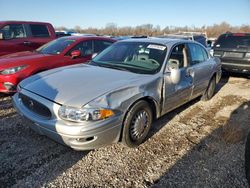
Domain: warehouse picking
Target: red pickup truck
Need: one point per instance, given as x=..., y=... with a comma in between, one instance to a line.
x=16, y=36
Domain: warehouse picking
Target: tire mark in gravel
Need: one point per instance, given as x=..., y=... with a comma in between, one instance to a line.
x=144, y=165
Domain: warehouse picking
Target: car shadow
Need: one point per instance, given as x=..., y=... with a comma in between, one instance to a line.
x=215, y=159
x=238, y=75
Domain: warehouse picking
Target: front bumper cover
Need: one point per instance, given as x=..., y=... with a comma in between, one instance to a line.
x=79, y=136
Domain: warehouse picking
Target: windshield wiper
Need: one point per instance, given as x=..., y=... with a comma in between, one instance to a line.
x=113, y=66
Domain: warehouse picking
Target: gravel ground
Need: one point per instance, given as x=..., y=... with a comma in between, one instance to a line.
x=200, y=144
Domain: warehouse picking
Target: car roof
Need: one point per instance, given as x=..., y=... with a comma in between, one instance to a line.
x=235, y=34
x=163, y=41
x=75, y=37
x=27, y=22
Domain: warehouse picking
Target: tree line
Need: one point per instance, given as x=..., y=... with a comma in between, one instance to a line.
x=112, y=29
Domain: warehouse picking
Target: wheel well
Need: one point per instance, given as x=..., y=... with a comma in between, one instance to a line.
x=151, y=103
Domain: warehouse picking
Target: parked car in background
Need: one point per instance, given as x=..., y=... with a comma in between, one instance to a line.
x=72, y=33
x=210, y=44
x=234, y=51
x=17, y=36
x=60, y=52
x=247, y=158
x=118, y=95
x=194, y=36
x=62, y=34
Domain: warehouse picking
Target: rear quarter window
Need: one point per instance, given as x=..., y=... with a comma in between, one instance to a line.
x=38, y=30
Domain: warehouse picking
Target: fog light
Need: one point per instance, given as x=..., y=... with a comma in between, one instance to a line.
x=9, y=86
x=85, y=139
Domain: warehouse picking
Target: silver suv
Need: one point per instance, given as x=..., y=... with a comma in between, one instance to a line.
x=119, y=94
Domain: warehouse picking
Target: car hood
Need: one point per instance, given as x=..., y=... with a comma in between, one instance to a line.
x=78, y=84
x=21, y=58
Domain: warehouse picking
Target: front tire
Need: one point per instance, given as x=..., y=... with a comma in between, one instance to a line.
x=137, y=124
x=209, y=93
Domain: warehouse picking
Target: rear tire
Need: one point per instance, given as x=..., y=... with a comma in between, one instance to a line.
x=209, y=93
x=137, y=124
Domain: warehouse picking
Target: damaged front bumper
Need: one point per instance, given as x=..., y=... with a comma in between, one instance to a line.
x=79, y=136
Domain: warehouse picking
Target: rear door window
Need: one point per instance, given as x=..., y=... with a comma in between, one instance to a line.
x=38, y=30
x=230, y=41
x=13, y=31
x=196, y=53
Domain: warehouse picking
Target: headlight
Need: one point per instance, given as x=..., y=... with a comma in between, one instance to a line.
x=84, y=114
x=12, y=70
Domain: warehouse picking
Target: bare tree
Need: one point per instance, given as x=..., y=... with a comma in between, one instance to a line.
x=151, y=30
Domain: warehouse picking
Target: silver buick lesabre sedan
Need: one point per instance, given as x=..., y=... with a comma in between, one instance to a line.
x=119, y=93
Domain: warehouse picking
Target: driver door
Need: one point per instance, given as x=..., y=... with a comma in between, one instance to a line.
x=86, y=49
x=176, y=94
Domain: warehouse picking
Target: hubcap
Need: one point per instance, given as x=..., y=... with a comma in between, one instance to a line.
x=139, y=125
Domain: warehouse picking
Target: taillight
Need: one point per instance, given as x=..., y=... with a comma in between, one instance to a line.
x=239, y=34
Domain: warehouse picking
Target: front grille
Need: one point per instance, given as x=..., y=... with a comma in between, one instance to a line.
x=35, y=106
x=233, y=54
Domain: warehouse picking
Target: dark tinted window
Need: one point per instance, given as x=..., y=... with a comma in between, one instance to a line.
x=13, y=31
x=200, y=39
x=39, y=30
x=86, y=48
x=196, y=53
x=100, y=45
x=230, y=41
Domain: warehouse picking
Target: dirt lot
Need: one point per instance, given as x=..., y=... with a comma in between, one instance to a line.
x=198, y=145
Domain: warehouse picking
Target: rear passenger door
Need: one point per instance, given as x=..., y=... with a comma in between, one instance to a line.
x=201, y=68
x=39, y=35
x=14, y=37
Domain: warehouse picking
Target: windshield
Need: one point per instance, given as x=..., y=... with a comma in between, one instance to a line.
x=229, y=41
x=138, y=57
x=56, y=46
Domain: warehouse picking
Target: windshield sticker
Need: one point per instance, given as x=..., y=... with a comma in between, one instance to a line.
x=157, y=47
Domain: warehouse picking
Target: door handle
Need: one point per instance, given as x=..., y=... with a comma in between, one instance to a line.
x=26, y=42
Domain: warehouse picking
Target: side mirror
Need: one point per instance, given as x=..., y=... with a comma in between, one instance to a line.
x=1, y=35
x=175, y=75
x=94, y=54
x=175, y=72
x=76, y=53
